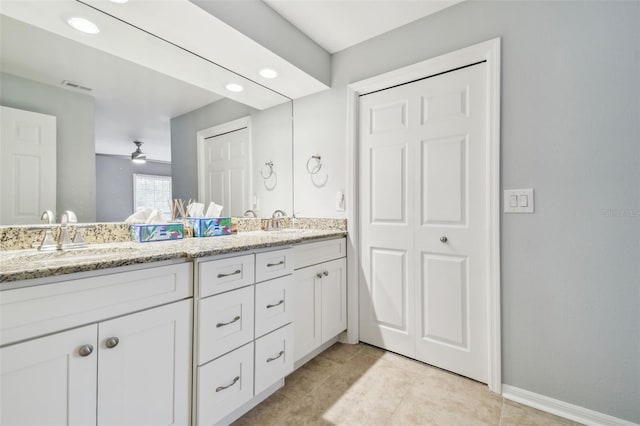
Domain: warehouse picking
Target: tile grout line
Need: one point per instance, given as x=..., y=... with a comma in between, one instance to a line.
x=501, y=411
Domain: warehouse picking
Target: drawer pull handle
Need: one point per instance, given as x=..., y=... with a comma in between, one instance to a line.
x=112, y=342
x=275, y=304
x=269, y=265
x=221, y=388
x=275, y=357
x=85, y=350
x=222, y=324
x=236, y=272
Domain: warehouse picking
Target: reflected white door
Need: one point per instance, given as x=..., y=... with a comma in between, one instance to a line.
x=424, y=287
x=227, y=171
x=27, y=166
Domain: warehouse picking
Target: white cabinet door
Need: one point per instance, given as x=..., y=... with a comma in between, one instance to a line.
x=143, y=376
x=307, y=313
x=50, y=380
x=334, y=298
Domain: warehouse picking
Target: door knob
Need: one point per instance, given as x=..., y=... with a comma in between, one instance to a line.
x=85, y=350
x=443, y=239
x=112, y=342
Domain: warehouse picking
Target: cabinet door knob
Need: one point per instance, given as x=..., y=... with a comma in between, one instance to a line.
x=112, y=342
x=85, y=350
x=319, y=275
x=325, y=273
x=443, y=239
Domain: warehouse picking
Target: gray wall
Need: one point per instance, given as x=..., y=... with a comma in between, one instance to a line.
x=114, y=184
x=570, y=129
x=184, y=141
x=75, y=138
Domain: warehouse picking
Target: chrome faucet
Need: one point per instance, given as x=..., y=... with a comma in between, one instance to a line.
x=63, y=238
x=275, y=219
x=48, y=242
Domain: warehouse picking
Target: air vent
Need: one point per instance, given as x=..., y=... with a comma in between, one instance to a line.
x=75, y=85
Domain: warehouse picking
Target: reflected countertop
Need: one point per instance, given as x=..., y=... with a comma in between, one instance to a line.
x=19, y=265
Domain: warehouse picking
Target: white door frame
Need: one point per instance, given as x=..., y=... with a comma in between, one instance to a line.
x=220, y=129
x=488, y=51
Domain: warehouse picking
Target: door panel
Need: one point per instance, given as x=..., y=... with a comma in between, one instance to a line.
x=334, y=298
x=389, y=288
x=444, y=293
x=423, y=284
x=444, y=183
x=388, y=184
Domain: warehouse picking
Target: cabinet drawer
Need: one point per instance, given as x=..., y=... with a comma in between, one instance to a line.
x=274, y=357
x=273, y=264
x=226, y=322
x=43, y=309
x=225, y=385
x=323, y=251
x=274, y=304
x=223, y=275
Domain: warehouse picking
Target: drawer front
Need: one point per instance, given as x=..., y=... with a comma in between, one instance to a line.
x=218, y=276
x=323, y=251
x=274, y=357
x=33, y=311
x=273, y=264
x=225, y=323
x=224, y=385
x=274, y=304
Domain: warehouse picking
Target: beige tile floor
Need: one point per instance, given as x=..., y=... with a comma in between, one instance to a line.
x=363, y=385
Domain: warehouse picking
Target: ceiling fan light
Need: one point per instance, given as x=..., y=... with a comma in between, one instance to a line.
x=138, y=156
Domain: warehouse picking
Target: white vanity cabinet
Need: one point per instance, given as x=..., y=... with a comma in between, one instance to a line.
x=245, y=335
x=109, y=367
x=320, y=292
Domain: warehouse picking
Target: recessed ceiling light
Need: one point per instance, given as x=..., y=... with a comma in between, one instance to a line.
x=83, y=25
x=234, y=87
x=268, y=73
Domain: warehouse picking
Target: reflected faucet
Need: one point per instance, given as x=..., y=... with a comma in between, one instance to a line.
x=250, y=213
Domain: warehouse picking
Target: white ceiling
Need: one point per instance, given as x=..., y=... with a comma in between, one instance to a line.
x=132, y=102
x=338, y=24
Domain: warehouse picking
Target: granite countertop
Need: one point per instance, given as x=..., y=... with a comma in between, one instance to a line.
x=17, y=265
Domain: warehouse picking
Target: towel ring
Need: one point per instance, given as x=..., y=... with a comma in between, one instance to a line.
x=270, y=165
x=316, y=168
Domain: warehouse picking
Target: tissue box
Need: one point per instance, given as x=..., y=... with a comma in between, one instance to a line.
x=210, y=226
x=157, y=232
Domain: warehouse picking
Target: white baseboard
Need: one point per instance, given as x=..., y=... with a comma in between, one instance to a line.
x=561, y=408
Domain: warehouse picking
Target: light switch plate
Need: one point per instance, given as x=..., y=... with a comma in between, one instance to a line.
x=523, y=201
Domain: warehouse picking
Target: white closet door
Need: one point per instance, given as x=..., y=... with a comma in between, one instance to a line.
x=387, y=186
x=27, y=166
x=227, y=171
x=438, y=284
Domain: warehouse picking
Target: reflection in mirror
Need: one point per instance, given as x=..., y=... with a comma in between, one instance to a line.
x=101, y=103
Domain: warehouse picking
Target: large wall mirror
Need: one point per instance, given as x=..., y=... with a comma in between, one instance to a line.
x=107, y=90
